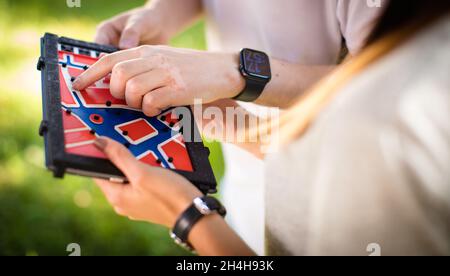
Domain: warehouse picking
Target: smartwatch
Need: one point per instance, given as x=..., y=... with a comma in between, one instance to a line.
x=200, y=207
x=255, y=68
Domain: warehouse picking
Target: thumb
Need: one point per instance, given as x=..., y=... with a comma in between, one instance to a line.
x=131, y=34
x=119, y=156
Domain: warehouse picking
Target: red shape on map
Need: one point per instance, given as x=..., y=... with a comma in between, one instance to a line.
x=137, y=131
x=175, y=150
x=78, y=137
x=151, y=159
x=74, y=72
x=170, y=118
x=88, y=150
x=77, y=59
x=72, y=122
x=98, y=97
x=66, y=94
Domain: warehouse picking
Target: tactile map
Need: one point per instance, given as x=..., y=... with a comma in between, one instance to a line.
x=94, y=112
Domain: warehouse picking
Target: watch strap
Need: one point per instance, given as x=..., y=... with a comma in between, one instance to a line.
x=192, y=215
x=253, y=89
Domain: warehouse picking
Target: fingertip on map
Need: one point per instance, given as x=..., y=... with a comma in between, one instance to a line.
x=77, y=84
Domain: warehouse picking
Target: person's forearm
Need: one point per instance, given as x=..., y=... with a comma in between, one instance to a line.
x=212, y=236
x=289, y=81
x=178, y=14
x=243, y=134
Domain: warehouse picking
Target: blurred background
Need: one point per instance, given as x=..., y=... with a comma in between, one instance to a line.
x=40, y=215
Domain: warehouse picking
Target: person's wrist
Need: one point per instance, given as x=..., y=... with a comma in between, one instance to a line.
x=236, y=83
x=183, y=202
x=200, y=209
x=198, y=230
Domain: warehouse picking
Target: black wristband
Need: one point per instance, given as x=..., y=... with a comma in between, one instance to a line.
x=201, y=206
x=251, y=92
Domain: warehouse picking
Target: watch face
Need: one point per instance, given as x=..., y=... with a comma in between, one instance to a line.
x=256, y=63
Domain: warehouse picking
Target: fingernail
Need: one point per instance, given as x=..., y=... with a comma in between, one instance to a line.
x=100, y=143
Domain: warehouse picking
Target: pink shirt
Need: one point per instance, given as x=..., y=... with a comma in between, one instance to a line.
x=303, y=31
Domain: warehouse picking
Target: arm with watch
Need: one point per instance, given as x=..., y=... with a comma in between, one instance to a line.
x=153, y=78
x=163, y=197
x=143, y=75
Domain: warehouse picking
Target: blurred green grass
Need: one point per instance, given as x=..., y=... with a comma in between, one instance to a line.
x=40, y=215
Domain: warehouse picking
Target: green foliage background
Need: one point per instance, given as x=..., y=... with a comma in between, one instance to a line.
x=40, y=215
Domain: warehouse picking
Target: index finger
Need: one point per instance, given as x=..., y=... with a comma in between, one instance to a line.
x=102, y=68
